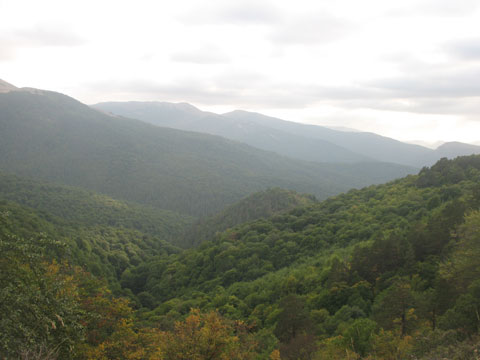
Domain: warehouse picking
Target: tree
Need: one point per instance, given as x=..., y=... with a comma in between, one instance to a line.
x=395, y=305
x=39, y=312
x=294, y=329
x=358, y=336
x=463, y=266
x=207, y=336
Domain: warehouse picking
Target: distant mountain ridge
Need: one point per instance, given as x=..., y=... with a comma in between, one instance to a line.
x=184, y=116
x=6, y=87
x=300, y=141
x=50, y=136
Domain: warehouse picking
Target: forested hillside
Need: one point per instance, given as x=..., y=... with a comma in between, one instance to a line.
x=75, y=206
x=385, y=272
x=260, y=205
x=103, y=235
x=52, y=137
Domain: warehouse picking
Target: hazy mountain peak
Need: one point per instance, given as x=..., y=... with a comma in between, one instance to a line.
x=342, y=128
x=239, y=112
x=458, y=145
x=6, y=87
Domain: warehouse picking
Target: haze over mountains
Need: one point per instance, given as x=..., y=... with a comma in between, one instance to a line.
x=300, y=141
x=53, y=137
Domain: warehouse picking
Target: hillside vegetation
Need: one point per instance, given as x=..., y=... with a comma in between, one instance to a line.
x=103, y=235
x=76, y=206
x=260, y=205
x=386, y=272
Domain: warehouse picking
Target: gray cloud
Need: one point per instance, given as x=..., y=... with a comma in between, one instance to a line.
x=243, y=13
x=452, y=83
x=220, y=91
x=448, y=8
x=312, y=29
x=437, y=8
x=7, y=50
x=249, y=12
x=37, y=36
x=204, y=55
x=47, y=35
x=465, y=49
x=443, y=106
x=443, y=90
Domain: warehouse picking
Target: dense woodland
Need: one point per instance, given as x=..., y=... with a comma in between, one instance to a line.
x=386, y=272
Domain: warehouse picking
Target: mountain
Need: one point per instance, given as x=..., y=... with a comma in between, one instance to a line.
x=104, y=246
x=6, y=87
x=76, y=206
x=375, y=146
x=53, y=137
x=255, y=133
x=256, y=206
x=300, y=141
x=453, y=149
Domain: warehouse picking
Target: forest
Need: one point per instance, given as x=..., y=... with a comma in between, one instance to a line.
x=385, y=272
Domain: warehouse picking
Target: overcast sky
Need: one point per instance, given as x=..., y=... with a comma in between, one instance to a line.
x=406, y=69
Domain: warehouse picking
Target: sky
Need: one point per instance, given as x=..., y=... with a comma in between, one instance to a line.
x=405, y=69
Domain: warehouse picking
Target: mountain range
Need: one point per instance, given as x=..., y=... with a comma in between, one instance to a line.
x=295, y=140
x=52, y=137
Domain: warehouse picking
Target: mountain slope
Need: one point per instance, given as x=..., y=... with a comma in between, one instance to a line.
x=371, y=145
x=259, y=205
x=56, y=138
x=105, y=250
x=186, y=117
x=6, y=87
x=300, y=141
x=366, y=255
x=453, y=149
x=76, y=206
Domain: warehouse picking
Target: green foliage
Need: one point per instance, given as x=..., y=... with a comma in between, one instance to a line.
x=38, y=302
x=77, y=207
x=386, y=271
x=362, y=261
x=99, y=247
x=260, y=205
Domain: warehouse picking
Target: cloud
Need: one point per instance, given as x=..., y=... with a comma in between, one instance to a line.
x=47, y=35
x=448, y=8
x=444, y=90
x=436, y=8
x=465, y=49
x=443, y=106
x=311, y=29
x=35, y=37
x=236, y=13
x=219, y=91
x=205, y=55
x=249, y=12
x=442, y=82
x=456, y=92
x=7, y=49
